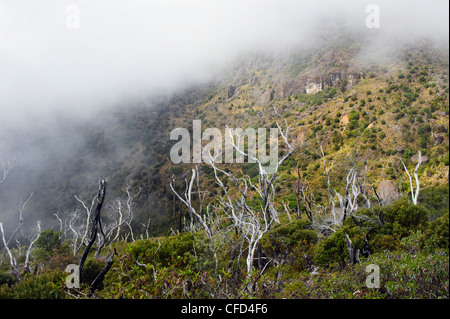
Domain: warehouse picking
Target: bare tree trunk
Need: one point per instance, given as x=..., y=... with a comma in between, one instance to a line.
x=414, y=193
x=99, y=279
x=187, y=200
x=96, y=225
x=12, y=260
x=27, y=258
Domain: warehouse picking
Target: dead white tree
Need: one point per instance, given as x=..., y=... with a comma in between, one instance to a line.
x=187, y=200
x=122, y=209
x=21, y=208
x=6, y=165
x=129, y=206
x=252, y=221
x=88, y=209
x=326, y=170
x=12, y=260
x=265, y=186
x=414, y=192
x=30, y=247
x=348, y=204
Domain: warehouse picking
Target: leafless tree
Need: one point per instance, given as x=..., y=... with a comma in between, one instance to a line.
x=96, y=226
x=122, y=211
x=187, y=200
x=30, y=247
x=6, y=165
x=12, y=260
x=6, y=243
x=414, y=192
x=250, y=221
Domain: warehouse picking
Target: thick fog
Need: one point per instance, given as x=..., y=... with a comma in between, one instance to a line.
x=78, y=56
x=71, y=59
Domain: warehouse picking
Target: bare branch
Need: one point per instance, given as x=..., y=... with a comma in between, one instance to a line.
x=12, y=260
x=414, y=193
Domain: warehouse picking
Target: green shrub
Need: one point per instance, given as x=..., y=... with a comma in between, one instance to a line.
x=402, y=217
x=436, y=236
x=382, y=242
x=283, y=239
x=435, y=200
x=91, y=269
x=6, y=279
x=182, y=251
x=333, y=249
x=44, y=286
x=48, y=244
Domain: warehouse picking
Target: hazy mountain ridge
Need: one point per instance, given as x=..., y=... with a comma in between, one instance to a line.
x=317, y=89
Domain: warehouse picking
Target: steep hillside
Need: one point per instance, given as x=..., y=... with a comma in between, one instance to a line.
x=367, y=113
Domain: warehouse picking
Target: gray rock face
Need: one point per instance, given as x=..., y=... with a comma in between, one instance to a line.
x=388, y=191
x=415, y=158
x=229, y=91
x=399, y=149
x=264, y=98
x=438, y=139
x=315, y=81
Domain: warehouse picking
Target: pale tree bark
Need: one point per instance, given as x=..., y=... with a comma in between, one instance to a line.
x=12, y=260
x=187, y=200
x=123, y=209
x=6, y=165
x=348, y=204
x=250, y=222
x=30, y=247
x=414, y=192
x=21, y=208
x=88, y=210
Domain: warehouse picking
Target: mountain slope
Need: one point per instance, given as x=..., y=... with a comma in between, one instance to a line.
x=367, y=112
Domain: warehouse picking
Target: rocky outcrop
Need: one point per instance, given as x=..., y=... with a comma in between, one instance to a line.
x=388, y=191
x=315, y=81
x=438, y=139
x=229, y=91
x=264, y=98
x=415, y=158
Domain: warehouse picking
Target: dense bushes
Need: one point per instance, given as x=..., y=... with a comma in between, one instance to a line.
x=402, y=275
x=289, y=241
x=402, y=217
x=188, y=250
x=44, y=286
x=409, y=243
x=333, y=250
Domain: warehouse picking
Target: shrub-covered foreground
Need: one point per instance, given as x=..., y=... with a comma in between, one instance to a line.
x=409, y=245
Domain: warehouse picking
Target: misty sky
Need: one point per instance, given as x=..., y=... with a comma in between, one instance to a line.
x=130, y=47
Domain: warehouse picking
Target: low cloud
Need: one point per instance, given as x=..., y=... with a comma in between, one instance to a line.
x=128, y=48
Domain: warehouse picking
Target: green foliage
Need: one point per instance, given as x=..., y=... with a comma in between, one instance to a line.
x=91, y=269
x=412, y=276
x=402, y=217
x=436, y=236
x=47, y=244
x=283, y=239
x=6, y=279
x=435, y=200
x=182, y=251
x=45, y=286
x=250, y=169
x=333, y=250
